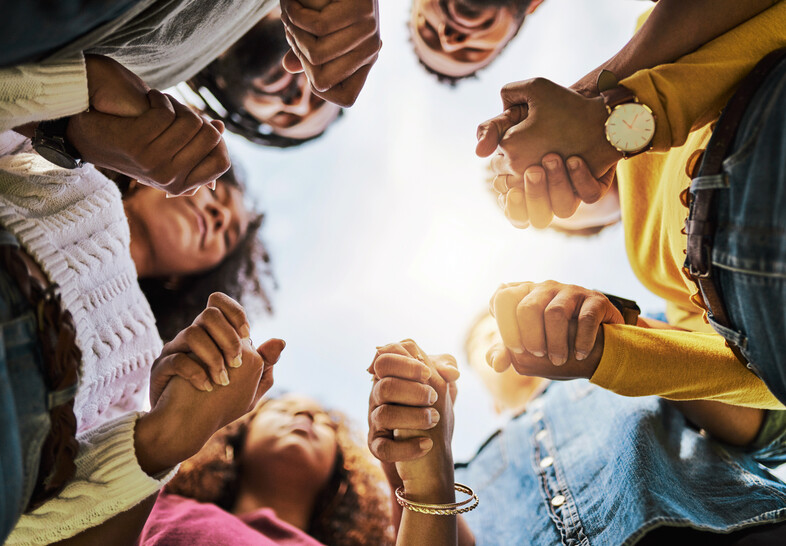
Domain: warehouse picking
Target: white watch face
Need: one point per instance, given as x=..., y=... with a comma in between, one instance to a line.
x=630, y=127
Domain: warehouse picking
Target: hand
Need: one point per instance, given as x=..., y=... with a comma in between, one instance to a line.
x=411, y=417
x=335, y=42
x=550, y=190
x=541, y=117
x=183, y=418
x=202, y=353
x=551, y=324
x=144, y=134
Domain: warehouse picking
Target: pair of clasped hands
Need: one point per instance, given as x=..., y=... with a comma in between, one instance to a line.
x=153, y=138
x=549, y=154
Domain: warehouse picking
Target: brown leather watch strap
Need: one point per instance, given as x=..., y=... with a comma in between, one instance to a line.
x=616, y=96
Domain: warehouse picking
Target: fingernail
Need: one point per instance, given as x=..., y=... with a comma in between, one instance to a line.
x=533, y=177
x=539, y=354
x=208, y=386
x=573, y=163
x=425, y=443
x=580, y=355
x=551, y=164
x=482, y=133
x=212, y=185
x=517, y=350
x=245, y=331
x=223, y=378
x=433, y=416
x=237, y=361
x=425, y=374
x=432, y=396
x=501, y=200
x=247, y=341
x=557, y=360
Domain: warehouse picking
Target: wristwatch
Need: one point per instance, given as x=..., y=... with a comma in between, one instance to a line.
x=630, y=125
x=51, y=143
x=628, y=308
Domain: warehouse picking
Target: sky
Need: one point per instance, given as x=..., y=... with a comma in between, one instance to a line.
x=384, y=229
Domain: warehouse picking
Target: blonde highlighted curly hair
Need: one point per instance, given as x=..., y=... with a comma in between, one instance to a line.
x=352, y=510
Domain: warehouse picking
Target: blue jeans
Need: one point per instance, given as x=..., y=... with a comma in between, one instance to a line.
x=749, y=253
x=24, y=417
x=584, y=466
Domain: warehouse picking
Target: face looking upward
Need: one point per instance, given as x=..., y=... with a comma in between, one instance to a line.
x=287, y=104
x=456, y=38
x=297, y=431
x=184, y=235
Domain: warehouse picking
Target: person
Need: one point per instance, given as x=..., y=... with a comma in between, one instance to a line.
x=288, y=472
x=558, y=472
x=258, y=98
x=455, y=39
x=654, y=215
x=71, y=234
x=148, y=40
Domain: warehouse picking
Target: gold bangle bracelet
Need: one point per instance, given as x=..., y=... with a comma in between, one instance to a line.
x=450, y=509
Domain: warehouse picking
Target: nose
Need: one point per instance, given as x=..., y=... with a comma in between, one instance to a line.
x=218, y=215
x=299, y=101
x=306, y=413
x=451, y=39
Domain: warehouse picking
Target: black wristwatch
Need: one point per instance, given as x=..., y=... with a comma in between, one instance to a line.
x=51, y=143
x=629, y=309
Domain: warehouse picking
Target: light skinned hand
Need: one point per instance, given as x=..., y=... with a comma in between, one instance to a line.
x=542, y=123
x=335, y=42
x=145, y=134
x=411, y=415
x=548, y=190
x=203, y=352
x=183, y=418
x=535, y=320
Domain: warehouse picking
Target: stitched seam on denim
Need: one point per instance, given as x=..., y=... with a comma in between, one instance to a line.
x=545, y=488
x=742, y=153
x=773, y=516
x=571, y=530
x=750, y=476
x=749, y=271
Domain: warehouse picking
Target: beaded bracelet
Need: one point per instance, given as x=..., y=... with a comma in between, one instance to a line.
x=441, y=509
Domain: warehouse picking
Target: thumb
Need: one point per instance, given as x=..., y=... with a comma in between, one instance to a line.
x=446, y=366
x=271, y=350
x=490, y=132
x=291, y=63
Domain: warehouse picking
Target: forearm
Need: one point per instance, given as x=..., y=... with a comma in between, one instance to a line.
x=678, y=365
x=673, y=29
x=734, y=425
x=418, y=528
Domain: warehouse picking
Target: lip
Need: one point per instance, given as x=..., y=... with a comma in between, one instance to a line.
x=200, y=221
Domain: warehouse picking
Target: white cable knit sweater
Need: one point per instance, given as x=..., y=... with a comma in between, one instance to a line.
x=163, y=41
x=72, y=223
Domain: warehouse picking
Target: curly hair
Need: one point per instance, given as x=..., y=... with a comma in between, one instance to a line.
x=240, y=275
x=352, y=510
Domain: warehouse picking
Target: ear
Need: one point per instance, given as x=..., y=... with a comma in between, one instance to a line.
x=533, y=5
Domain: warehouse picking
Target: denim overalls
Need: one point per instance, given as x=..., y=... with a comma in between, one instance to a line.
x=586, y=466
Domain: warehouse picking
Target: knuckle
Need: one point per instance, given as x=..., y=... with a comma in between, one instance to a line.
x=555, y=313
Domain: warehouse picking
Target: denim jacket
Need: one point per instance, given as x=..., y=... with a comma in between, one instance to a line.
x=586, y=466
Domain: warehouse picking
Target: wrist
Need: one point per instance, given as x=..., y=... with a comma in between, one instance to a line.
x=435, y=488
x=606, y=154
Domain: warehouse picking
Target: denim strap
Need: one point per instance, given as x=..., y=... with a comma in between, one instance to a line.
x=709, y=182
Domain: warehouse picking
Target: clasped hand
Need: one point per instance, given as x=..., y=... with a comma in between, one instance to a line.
x=335, y=42
x=410, y=416
x=145, y=134
x=541, y=124
x=549, y=329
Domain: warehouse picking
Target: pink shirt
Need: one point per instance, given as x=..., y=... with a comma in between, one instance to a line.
x=178, y=520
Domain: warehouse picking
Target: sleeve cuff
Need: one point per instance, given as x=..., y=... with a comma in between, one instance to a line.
x=108, y=481
x=36, y=92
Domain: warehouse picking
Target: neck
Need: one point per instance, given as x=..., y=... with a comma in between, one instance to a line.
x=139, y=254
x=292, y=505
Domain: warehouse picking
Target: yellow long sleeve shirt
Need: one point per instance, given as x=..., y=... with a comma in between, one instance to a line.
x=686, y=96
